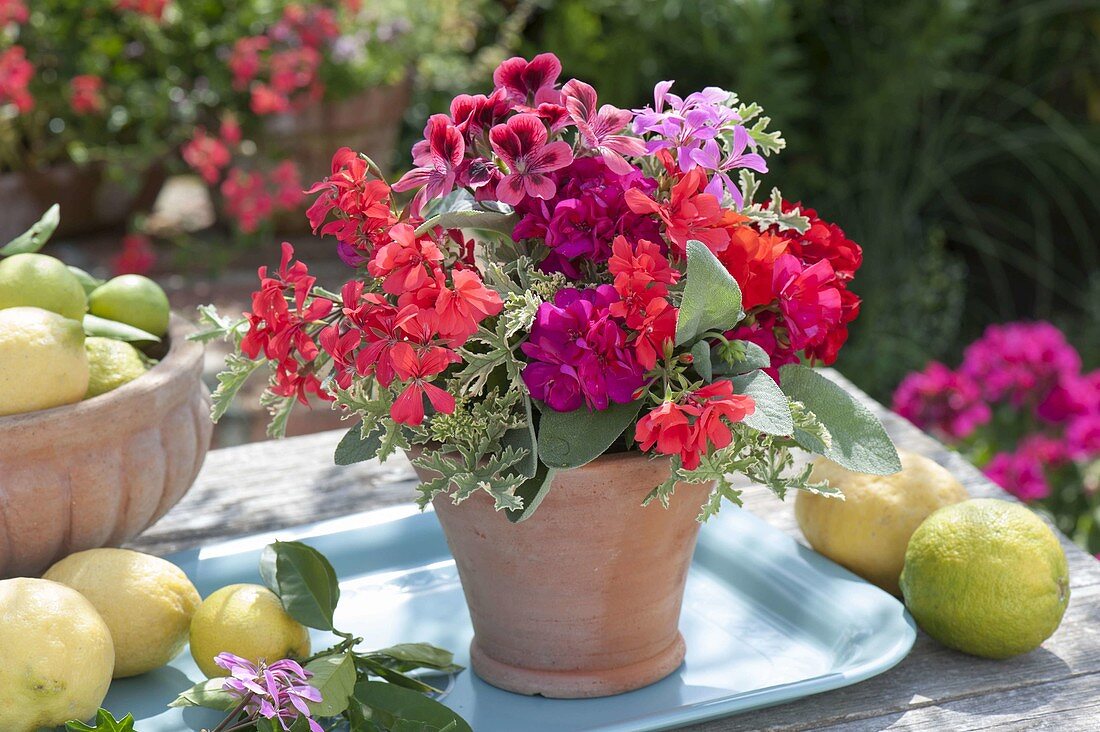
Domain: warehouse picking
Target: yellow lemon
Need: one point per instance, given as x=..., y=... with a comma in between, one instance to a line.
x=147, y=602
x=55, y=655
x=248, y=621
x=42, y=360
x=134, y=300
x=111, y=364
x=41, y=281
x=986, y=577
x=868, y=531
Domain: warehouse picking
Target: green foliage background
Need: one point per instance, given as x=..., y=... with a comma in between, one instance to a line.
x=958, y=141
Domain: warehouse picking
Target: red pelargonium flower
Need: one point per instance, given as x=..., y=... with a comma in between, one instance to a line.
x=230, y=130
x=16, y=73
x=152, y=8
x=86, y=94
x=531, y=82
x=719, y=408
x=639, y=265
x=137, y=255
x=438, y=165
x=689, y=214
x=698, y=425
x=417, y=367
x=361, y=202
x=245, y=61
x=654, y=326
x=808, y=298
x=459, y=310
x=206, y=155
x=599, y=128
x=407, y=263
x=823, y=240
x=750, y=258
x=288, y=184
x=666, y=427
x=266, y=100
x=13, y=11
x=247, y=199
x=522, y=144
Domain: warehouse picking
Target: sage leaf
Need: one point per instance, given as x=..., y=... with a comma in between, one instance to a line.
x=35, y=237
x=859, y=441
x=354, y=448
x=304, y=581
x=572, y=439
x=103, y=328
x=399, y=703
x=712, y=298
x=209, y=694
x=773, y=409
x=334, y=677
x=497, y=221
x=700, y=354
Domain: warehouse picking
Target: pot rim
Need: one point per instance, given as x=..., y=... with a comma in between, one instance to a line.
x=183, y=356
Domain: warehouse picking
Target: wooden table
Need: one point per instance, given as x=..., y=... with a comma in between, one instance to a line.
x=271, y=485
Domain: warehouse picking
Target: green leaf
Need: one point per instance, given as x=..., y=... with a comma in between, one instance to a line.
x=88, y=282
x=700, y=352
x=712, y=299
x=104, y=722
x=103, y=328
x=502, y=223
x=35, y=237
x=334, y=677
x=773, y=410
x=524, y=438
x=304, y=580
x=237, y=370
x=404, y=704
x=209, y=694
x=409, y=656
x=533, y=490
x=571, y=439
x=746, y=356
x=354, y=448
x=858, y=440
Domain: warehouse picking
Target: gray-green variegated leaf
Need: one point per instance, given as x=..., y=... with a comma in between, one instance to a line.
x=712, y=298
x=354, y=448
x=35, y=237
x=572, y=439
x=304, y=581
x=740, y=357
x=333, y=676
x=210, y=694
x=858, y=440
x=773, y=411
x=524, y=438
x=533, y=490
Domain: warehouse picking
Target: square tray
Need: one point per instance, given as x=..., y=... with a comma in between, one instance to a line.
x=766, y=621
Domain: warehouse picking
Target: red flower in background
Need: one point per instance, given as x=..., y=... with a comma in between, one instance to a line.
x=13, y=11
x=86, y=94
x=245, y=61
x=152, y=8
x=288, y=185
x=522, y=144
x=247, y=199
x=206, y=155
x=531, y=82
x=16, y=73
x=137, y=256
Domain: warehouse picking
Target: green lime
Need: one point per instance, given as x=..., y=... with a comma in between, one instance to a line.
x=41, y=281
x=134, y=300
x=986, y=577
x=42, y=360
x=111, y=364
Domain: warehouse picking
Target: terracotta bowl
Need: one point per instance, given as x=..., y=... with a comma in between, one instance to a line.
x=99, y=472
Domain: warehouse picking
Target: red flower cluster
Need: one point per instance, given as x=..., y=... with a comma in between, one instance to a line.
x=152, y=8
x=697, y=425
x=16, y=73
x=86, y=94
x=13, y=11
x=642, y=276
x=137, y=255
x=689, y=214
x=362, y=205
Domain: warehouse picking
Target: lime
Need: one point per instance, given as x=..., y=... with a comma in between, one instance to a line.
x=868, y=531
x=147, y=602
x=986, y=577
x=57, y=655
x=42, y=360
x=111, y=364
x=40, y=281
x=134, y=300
x=248, y=621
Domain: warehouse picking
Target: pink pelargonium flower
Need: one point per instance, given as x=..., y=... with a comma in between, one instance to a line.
x=531, y=82
x=437, y=165
x=522, y=144
x=599, y=128
x=709, y=157
x=808, y=298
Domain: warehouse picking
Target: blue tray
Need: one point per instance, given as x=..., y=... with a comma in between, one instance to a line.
x=766, y=621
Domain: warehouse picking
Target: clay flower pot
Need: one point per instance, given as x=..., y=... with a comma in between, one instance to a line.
x=99, y=472
x=583, y=598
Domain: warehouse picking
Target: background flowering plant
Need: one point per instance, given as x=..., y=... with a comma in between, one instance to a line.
x=569, y=279
x=1020, y=407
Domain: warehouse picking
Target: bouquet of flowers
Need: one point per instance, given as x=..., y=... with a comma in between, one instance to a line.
x=1020, y=407
x=569, y=279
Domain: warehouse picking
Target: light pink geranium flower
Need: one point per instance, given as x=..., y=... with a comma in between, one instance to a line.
x=599, y=128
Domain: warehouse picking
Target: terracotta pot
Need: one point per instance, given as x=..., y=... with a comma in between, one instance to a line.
x=99, y=472
x=583, y=598
x=90, y=201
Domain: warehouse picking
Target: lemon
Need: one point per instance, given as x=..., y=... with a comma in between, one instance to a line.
x=248, y=621
x=41, y=281
x=147, y=602
x=986, y=577
x=55, y=655
x=42, y=360
x=111, y=364
x=869, y=530
x=134, y=300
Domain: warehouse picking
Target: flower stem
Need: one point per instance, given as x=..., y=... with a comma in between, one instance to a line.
x=224, y=725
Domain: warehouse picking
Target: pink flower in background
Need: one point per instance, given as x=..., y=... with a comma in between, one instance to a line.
x=137, y=255
x=1021, y=474
x=153, y=8
x=522, y=144
x=267, y=100
x=287, y=180
x=599, y=129
x=230, y=130
x=437, y=162
x=86, y=95
x=1020, y=362
x=946, y=402
x=206, y=155
x=529, y=82
x=16, y=73
x=13, y=11
x=245, y=61
x=247, y=199
x=1083, y=436
x=276, y=691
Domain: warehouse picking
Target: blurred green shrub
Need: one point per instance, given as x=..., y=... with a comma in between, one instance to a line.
x=957, y=141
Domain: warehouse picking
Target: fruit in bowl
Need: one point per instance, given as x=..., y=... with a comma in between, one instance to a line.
x=97, y=439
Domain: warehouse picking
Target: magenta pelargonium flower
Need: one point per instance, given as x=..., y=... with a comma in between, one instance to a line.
x=522, y=144
x=579, y=354
x=529, y=83
x=277, y=691
x=1020, y=473
x=1020, y=362
x=945, y=402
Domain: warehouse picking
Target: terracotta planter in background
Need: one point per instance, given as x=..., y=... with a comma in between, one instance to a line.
x=99, y=472
x=89, y=200
x=583, y=598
